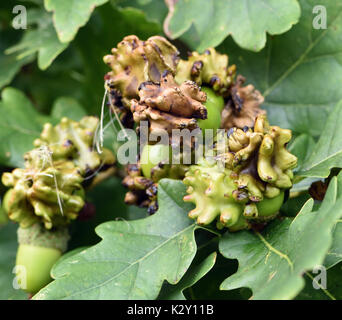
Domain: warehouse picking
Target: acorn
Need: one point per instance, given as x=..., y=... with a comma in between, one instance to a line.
x=39, y=249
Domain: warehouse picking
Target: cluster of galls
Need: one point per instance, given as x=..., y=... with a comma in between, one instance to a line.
x=148, y=81
x=50, y=188
x=244, y=183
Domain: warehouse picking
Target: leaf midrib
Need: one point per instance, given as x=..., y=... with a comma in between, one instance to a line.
x=316, y=164
x=299, y=60
x=274, y=250
x=134, y=263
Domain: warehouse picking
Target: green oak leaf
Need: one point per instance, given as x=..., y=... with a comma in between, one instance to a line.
x=334, y=255
x=271, y=263
x=8, y=249
x=327, y=153
x=70, y=15
x=293, y=205
x=9, y=66
x=155, y=11
x=67, y=107
x=22, y=123
x=302, y=147
x=246, y=20
x=134, y=257
x=78, y=72
x=300, y=72
x=68, y=255
x=193, y=275
x=106, y=209
x=41, y=39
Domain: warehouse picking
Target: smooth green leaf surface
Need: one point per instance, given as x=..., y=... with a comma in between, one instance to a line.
x=108, y=199
x=327, y=154
x=302, y=147
x=300, y=72
x=8, y=249
x=155, y=11
x=9, y=66
x=193, y=275
x=20, y=124
x=41, y=39
x=67, y=107
x=271, y=263
x=246, y=20
x=134, y=257
x=70, y=15
x=334, y=254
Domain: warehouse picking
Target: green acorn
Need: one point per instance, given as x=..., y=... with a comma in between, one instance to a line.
x=142, y=178
x=214, y=105
x=39, y=249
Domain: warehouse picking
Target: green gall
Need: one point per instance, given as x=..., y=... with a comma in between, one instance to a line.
x=50, y=189
x=74, y=140
x=245, y=184
x=210, y=68
x=51, y=193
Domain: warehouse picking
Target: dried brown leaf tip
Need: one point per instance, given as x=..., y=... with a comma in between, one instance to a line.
x=135, y=61
x=209, y=68
x=167, y=105
x=243, y=106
